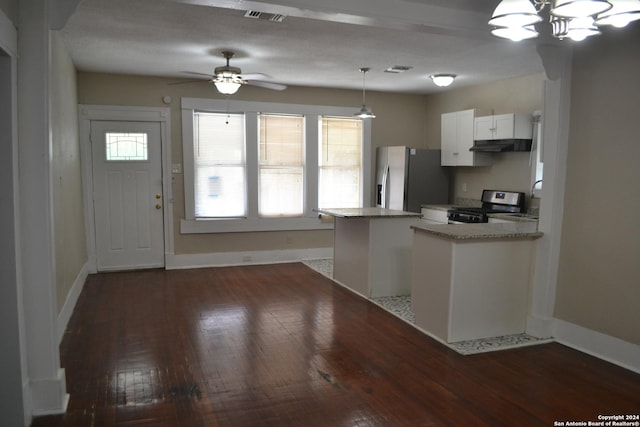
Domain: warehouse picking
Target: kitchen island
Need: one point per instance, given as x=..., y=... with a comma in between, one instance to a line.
x=372, y=250
x=471, y=281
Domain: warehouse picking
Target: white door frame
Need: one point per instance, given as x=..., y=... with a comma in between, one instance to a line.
x=159, y=115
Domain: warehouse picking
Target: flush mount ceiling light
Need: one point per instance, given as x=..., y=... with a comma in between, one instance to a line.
x=365, y=112
x=443, y=80
x=574, y=19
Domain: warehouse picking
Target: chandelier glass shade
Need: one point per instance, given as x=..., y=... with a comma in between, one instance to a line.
x=574, y=19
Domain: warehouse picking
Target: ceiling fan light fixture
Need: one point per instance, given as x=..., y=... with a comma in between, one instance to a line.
x=622, y=12
x=227, y=86
x=365, y=112
x=579, y=8
x=514, y=13
x=443, y=80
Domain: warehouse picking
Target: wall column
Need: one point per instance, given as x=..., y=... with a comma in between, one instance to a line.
x=46, y=389
x=556, y=59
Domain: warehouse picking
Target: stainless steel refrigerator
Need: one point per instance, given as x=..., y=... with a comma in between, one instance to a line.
x=407, y=178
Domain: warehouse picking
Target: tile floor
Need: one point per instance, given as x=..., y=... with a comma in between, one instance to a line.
x=401, y=307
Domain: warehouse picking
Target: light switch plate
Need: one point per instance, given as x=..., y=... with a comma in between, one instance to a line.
x=176, y=168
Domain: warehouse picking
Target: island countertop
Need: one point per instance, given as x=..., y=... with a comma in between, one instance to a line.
x=506, y=230
x=367, y=213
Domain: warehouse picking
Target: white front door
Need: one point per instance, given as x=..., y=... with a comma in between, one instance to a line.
x=127, y=194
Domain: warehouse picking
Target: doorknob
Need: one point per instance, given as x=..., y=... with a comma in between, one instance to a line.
x=158, y=196
x=158, y=206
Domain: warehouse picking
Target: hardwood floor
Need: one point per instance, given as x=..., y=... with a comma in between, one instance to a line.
x=282, y=345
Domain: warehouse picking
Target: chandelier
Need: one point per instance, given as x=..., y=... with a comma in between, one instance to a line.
x=574, y=19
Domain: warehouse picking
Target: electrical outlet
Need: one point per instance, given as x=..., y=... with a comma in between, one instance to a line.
x=464, y=187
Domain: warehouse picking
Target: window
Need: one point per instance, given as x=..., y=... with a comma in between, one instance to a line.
x=340, y=163
x=256, y=166
x=219, y=160
x=281, y=165
x=126, y=147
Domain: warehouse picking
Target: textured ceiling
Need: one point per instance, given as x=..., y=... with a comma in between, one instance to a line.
x=318, y=44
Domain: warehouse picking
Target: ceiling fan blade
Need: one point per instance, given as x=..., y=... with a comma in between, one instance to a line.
x=196, y=73
x=184, y=82
x=266, y=85
x=254, y=76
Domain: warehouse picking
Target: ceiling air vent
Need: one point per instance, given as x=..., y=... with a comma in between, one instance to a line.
x=273, y=17
x=398, y=69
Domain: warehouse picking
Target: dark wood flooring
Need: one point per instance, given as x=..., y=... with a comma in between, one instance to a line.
x=282, y=345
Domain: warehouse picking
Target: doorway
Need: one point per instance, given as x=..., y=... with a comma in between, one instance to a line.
x=127, y=194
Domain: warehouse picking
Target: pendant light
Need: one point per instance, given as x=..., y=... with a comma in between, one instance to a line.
x=365, y=112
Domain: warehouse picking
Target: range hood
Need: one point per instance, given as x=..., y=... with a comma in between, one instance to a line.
x=501, y=145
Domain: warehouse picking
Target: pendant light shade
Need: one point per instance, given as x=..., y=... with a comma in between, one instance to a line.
x=579, y=8
x=365, y=112
x=514, y=13
x=622, y=12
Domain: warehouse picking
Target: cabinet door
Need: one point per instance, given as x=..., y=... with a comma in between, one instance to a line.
x=449, y=139
x=503, y=125
x=483, y=128
x=465, y=138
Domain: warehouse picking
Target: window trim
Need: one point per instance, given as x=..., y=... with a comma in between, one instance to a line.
x=309, y=220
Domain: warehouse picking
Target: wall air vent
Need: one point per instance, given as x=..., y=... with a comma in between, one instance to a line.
x=396, y=69
x=273, y=17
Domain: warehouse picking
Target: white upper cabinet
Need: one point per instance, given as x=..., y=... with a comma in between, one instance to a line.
x=503, y=126
x=457, y=130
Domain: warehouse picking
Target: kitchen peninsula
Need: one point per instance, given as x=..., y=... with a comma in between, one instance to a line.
x=471, y=281
x=372, y=250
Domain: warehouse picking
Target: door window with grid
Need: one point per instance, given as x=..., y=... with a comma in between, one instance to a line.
x=340, y=163
x=281, y=165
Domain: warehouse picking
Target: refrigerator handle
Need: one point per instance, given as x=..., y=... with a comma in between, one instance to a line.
x=383, y=190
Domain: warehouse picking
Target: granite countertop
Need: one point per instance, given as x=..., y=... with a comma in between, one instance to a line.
x=507, y=230
x=440, y=207
x=519, y=217
x=367, y=213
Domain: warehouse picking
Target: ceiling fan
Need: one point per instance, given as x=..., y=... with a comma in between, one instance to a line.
x=228, y=79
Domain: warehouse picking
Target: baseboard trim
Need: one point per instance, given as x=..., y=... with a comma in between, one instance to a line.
x=72, y=298
x=223, y=259
x=605, y=347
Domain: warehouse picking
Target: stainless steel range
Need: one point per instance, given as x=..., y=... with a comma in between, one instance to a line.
x=492, y=202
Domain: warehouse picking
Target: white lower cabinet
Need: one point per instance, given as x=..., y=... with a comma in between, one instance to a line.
x=470, y=289
x=434, y=216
